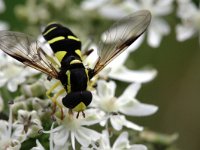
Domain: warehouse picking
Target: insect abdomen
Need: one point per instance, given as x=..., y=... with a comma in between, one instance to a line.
x=62, y=41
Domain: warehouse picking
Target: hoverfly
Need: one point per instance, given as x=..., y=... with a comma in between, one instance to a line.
x=66, y=47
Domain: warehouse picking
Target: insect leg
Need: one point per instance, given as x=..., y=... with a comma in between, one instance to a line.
x=49, y=91
x=53, y=99
x=58, y=104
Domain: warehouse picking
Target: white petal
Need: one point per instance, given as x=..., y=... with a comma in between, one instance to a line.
x=12, y=86
x=39, y=146
x=93, y=116
x=2, y=81
x=138, y=147
x=4, y=129
x=19, y=134
x=91, y=4
x=153, y=38
x=60, y=137
x=73, y=140
x=135, y=108
x=131, y=91
x=106, y=89
x=163, y=7
x=161, y=26
x=105, y=140
x=148, y=3
x=104, y=122
x=133, y=5
x=117, y=121
x=184, y=32
x=3, y=26
x=14, y=145
x=64, y=147
x=85, y=136
x=156, y=30
x=112, y=12
x=121, y=142
x=132, y=125
x=2, y=6
x=186, y=10
x=127, y=75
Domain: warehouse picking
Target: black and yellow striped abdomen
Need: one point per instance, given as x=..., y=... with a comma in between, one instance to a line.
x=63, y=43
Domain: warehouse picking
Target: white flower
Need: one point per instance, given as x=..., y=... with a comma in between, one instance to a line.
x=117, y=70
x=13, y=73
x=189, y=14
x=10, y=136
x=126, y=104
x=30, y=122
x=120, y=143
x=73, y=128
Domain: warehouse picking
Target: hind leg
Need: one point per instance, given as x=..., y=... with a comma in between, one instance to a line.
x=53, y=99
x=58, y=104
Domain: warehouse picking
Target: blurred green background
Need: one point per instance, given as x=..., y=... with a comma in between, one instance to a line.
x=175, y=90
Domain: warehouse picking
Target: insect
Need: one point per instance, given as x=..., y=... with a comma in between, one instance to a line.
x=69, y=69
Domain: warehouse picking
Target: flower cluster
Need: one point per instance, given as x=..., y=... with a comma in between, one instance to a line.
x=187, y=11
x=109, y=116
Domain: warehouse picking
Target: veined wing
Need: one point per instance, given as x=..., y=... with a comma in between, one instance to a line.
x=25, y=49
x=120, y=36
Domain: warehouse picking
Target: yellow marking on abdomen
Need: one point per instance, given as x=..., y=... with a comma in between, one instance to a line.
x=73, y=38
x=78, y=52
x=88, y=79
x=75, y=61
x=68, y=82
x=48, y=31
x=60, y=54
x=56, y=39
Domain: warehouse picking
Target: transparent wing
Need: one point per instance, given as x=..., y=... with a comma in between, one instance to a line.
x=120, y=36
x=28, y=51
